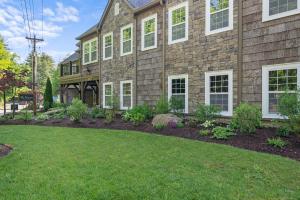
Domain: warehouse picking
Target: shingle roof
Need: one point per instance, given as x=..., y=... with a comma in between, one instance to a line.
x=73, y=57
x=139, y=3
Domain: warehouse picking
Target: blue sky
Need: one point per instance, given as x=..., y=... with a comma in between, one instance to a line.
x=63, y=21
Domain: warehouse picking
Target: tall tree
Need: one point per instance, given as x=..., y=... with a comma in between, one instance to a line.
x=45, y=69
x=48, y=97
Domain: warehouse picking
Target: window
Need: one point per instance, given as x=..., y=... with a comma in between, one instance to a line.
x=218, y=91
x=75, y=68
x=117, y=9
x=90, y=51
x=126, y=40
x=108, y=46
x=178, y=88
x=276, y=80
x=149, y=33
x=107, y=95
x=66, y=70
x=274, y=9
x=219, y=16
x=126, y=95
x=178, y=23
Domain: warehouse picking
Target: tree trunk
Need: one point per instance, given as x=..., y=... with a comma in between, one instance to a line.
x=13, y=103
x=4, y=102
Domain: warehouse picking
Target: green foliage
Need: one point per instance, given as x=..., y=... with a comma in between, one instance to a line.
x=204, y=132
x=193, y=122
x=137, y=118
x=42, y=117
x=176, y=105
x=76, y=110
x=110, y=115
x=208, y=124
x=97, y=113
x=207, y=112
x=180, y=125
x=48, y=97
x=25, y=116
x=283, y=131
x=159, y=126
x=247, y=118
x=222, y=133
x=162, y=106
x=289, y=106
x=277, y=142
x=55, y=77
x=138, y=114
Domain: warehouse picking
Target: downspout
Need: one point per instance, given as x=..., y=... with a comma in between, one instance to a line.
x=135, y=61
x=99, y=54
x=163, y=49
x=81, y=75
x=240, y=52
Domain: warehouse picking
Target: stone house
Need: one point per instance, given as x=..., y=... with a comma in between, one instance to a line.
x=219, y=52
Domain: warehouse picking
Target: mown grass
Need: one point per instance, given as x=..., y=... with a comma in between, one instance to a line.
x=89, y=164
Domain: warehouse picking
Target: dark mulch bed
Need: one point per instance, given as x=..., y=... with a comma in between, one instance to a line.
x=256, y=142
x=4, y=150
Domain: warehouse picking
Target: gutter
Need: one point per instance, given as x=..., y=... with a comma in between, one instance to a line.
x=162, y=2
x=136, y=62
x=99, y=56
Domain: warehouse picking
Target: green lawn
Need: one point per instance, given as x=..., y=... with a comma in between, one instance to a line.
x=62, y=163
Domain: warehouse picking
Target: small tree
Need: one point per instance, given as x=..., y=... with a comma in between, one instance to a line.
x=48, y=97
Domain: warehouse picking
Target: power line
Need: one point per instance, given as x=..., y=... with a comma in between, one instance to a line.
x=27, y=17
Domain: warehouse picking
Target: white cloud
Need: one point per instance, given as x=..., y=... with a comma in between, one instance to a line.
x=62, y=13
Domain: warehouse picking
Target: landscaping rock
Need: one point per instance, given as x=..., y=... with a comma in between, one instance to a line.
x=166, y=119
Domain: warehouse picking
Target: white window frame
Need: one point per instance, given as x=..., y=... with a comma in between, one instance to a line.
x=90, y=51
x=170, y=25
x=230, y=89
x=186, y=77
x=265, y=86
x=207, y=20
x=121, y=39
x=112, y=92
x=112, y=46
x=266, y=12
x=143, y=32
x=117, y=9
x=121, y=94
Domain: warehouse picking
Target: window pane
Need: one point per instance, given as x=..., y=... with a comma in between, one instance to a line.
x=178, y=31
x=150, y=26
x=108, y=41
x=127, y=34
x=281, y=80
x=219, y=20
x=108, y=52
x=178, y=16
x=94, y=56
x=217, y=5
x=220, y=100
x=108, y=90
x=127, y=89
x=280, y=6
x=149, y=40
x=127, y=101
x=86, y=57
x=127, y=47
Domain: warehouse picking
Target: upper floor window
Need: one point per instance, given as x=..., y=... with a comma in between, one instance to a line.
x=126, y=40
x=117, y=9
x=219, y=16
x=108, y=46
x=274, y=9
x=149, y=32
x=90, y=51
x=178, y=23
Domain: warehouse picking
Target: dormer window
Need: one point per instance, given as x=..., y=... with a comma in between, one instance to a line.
x=117, y=9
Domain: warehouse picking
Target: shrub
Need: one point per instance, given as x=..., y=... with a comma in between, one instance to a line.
x=277, y=142
x=289, y=106
x=126, y=116
x=76, y=110
x=48, y=97
x=142, y=109
x=208, y=124
x=180, y=125
x=42, y=117
x=193, y=122
x=159, y=126
x=109, y=116
x=97, y=113
x=25, y=116
x=222, y=133
x=283, y=131
x=204, y=132
x=176, y=105
x=207, y=112
x=162, y=106
x=137, y=119
x=247, y=118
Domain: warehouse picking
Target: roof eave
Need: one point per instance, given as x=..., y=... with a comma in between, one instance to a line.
x=147, y=6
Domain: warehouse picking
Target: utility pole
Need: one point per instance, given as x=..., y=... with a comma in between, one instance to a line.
x=34, y=40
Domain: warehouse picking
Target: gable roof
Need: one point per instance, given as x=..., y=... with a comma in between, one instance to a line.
x=73, y=57
x=139, y=3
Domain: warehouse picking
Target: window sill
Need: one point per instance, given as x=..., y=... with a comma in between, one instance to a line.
x=267, y=18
